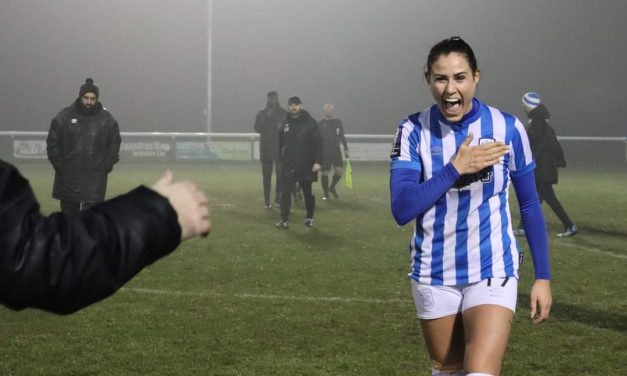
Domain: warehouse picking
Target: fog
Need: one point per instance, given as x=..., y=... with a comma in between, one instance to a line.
x=150, y=59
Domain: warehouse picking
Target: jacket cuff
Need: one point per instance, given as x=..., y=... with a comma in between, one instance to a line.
x=146, y=215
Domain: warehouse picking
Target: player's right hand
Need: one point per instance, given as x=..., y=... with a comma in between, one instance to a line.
x=472, y=159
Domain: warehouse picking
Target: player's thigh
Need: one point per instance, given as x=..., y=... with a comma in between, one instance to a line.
x=487, y=319
x=439, y=311
x=444, y=338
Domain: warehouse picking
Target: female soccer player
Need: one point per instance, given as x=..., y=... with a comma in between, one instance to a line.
x=450, y=172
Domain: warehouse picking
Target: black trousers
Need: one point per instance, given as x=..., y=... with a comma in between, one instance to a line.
x=266, y=172
x=71, y=207
x=287, y=186
x=546, y=193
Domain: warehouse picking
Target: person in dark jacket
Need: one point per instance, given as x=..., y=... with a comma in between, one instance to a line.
x=332, y=136
x=83, y=145
x=300, y=150
x=267, y=123
x=549, y=155
x=63, y=263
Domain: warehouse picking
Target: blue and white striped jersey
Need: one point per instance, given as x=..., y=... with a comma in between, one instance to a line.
x=467, y=236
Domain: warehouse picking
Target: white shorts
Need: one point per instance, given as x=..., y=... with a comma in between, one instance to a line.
x=433, y=302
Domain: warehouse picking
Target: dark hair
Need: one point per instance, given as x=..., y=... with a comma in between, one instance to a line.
x=445, y=47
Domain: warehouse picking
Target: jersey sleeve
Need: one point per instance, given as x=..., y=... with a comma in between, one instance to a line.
x=521, y=161
x=405, y=150
x=533, y=223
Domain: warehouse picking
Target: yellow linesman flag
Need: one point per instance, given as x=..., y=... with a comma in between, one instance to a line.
x=348, y=177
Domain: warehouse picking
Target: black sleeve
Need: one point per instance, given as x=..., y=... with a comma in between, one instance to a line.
x=557, y=150
x=113, y=148
x=63, y=263
x=258, y=122
x=53, y=145
x=341, y=135
x=281, y=140
x=316, y=140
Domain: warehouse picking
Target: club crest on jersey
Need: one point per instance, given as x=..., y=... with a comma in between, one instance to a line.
x=74, y=121
x=473, y=181
x=286, y=127
x=486, y=140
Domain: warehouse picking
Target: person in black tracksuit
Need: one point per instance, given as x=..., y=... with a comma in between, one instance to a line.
x=267, y=123
x=332, y=135
x=549, y=155
x=300, y=153
x=83, y=144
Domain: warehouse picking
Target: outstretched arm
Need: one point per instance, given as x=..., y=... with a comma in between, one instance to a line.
x=63, y=263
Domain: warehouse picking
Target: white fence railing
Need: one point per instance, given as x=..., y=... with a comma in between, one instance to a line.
x=206, y=146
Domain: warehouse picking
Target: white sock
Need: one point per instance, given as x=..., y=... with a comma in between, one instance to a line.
x=478, y=374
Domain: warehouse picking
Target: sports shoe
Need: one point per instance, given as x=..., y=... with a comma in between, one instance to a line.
x=571, y=231
x=268, y=206
x=333, y=192
x=284, y=225
x=308, y=222
x=519, y=232
x=324, y=198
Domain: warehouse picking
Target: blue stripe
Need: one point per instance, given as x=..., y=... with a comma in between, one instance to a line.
x=514, y=136
x=437, y=163
x=405, y=164
x=524, y=170
x=485, y=245
x=415, y=163
x=507, y=242
x=461, y=235
x=414, y=141
x=418, y=244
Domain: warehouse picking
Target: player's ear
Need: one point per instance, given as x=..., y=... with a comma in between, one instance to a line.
x=477, y=76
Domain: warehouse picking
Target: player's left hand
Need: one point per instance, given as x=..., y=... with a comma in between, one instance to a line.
x=541, y=300
x=316, y=167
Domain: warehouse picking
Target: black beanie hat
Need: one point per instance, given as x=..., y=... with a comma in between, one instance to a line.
x=294, y=100
x=88, y=87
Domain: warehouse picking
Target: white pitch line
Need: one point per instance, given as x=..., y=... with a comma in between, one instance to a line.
x=594, y=250
x=269, y=297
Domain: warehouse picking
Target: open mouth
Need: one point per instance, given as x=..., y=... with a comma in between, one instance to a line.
x=452, y=104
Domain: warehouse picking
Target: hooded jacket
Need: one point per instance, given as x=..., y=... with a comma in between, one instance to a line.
x=545, y=147
x=82, y=147
x=300, y=146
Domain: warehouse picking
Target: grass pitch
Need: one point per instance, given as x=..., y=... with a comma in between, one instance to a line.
x=330, y=300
